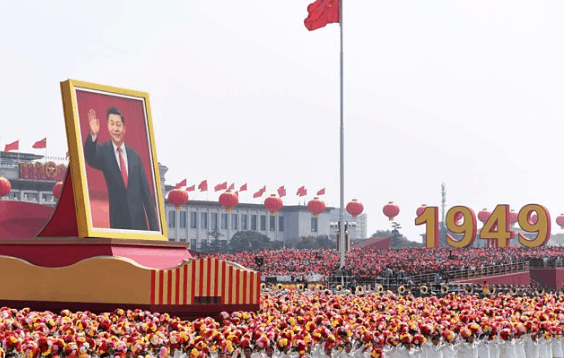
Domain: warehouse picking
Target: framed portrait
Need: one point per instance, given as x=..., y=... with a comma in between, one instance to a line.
x=113, y=162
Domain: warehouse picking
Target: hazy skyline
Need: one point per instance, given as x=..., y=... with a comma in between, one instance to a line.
x=463, y=93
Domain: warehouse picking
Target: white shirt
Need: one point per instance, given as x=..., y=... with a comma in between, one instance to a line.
x=432, y=351
x=400, y=352
x=507, y=349
x=545, y=348
x=531, y=348
x=117, y=154
x=494, y=347
x=483, y=348
x=448, y=351
x=557, y=347
x=520, y=345
x=466, y=350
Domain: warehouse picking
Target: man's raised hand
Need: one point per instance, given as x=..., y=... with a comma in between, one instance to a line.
x=94, y=122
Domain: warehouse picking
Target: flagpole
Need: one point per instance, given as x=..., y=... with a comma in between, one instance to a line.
x=341, y=225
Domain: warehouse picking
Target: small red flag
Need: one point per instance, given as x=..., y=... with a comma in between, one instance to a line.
x=222, y=186
x=301, y=191
x=244, y=187
x=321, y=13
x=40, y=144
x=258, y=194
x=182, y=183
x=203, y=186
x=231, y=187
x=321, y=192
x=12, y=146
x=191, y=188
x=282, y=191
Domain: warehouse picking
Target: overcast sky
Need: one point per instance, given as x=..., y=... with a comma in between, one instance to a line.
x=465, y=93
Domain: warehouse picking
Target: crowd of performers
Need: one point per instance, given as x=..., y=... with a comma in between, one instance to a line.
x=294, y=324
x=321, y=323
x=380, y=263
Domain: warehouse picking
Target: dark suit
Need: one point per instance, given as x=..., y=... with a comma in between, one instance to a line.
x=129, y=207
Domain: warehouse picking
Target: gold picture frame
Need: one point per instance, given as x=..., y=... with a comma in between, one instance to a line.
x=140, y=173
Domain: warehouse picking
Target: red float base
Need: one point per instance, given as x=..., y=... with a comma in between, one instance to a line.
x=59, y=252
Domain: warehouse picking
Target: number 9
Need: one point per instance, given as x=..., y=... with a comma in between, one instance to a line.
x=542, y=227
x=468, y=227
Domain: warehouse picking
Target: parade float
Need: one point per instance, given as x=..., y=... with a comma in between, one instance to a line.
x=98, y=253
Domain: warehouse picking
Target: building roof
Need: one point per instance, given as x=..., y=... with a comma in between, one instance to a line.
x=374, y=243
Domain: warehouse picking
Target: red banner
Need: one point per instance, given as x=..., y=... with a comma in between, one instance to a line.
x=43, y=171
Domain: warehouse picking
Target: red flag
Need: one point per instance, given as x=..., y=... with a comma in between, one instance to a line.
x=222, y=186
x=67, y=154
x=321, y=13
x=231, y=187
x=304, y=192
x=301, y=191
x=244, y=187
x=203, y=186
x=40, y=144
x=321, y=192
x=282, y=191
x=260, y=192
x=12, y=146
x=182, y=183
x=191, y=188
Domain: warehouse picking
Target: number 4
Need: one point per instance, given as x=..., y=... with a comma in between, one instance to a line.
x=497, y=226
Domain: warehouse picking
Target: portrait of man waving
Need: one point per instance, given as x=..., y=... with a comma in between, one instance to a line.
x=131, y=205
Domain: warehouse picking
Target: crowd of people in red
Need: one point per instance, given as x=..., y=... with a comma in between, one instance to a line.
x=297, y=324
x=375, y=262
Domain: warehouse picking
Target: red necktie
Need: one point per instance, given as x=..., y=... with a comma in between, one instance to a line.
x=123, y=167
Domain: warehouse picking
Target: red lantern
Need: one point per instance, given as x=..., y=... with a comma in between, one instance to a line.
x=354, y=208
x=483, y=215
x=560, y=220
x=178, y=197
x=420, y=210
x=513, y=217
x=391, y=210
x=273, y=204
x=228, y=200
x=57, y=189
x=5, y=187
x=316, y=207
